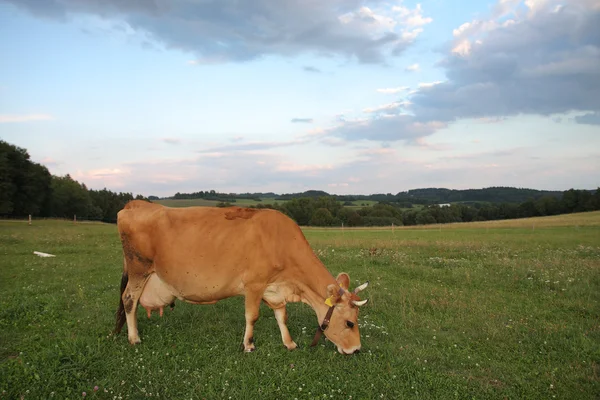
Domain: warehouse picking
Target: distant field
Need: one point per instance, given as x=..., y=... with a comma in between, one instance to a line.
x=212, y=203
x=362, y=203
x=246, y=202
x=576, y=221
x=494, y=310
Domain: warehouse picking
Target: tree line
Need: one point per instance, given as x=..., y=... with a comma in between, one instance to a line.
x=28, y=188
x=328, y=211
x=427, y=196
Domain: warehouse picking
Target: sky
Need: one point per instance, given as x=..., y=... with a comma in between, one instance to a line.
x=346, y=96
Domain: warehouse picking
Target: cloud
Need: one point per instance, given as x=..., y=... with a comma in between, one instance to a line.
x=377, y=151
x=390, y=108
x=309, y=68
x=412, y=67
x=302, y=120
x=588, y=119
x=491, y=120
x=311, y=168
x=115, y=178
x=364, y=170
x=333, y=141
x=424, y=144
x=6, y=118
x=541, y=62
x=427, y=85
x=171, y=140
x=385, y=128
x=233, y=31
x=50, y=162
x=252, y=146
x=412, y=17
x=393, y=90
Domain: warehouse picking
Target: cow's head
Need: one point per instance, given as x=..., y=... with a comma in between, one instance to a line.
x=343, y=326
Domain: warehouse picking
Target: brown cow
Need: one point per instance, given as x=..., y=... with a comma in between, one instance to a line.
x=202, y=255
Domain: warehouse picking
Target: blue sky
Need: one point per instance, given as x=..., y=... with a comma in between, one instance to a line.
x=345, y=96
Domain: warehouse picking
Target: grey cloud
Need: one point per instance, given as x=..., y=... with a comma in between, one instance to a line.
x=232, y=31
x=252, y=146
x=302, y=120
x=543, y=65
x=589, y=119
x=309, y=68
x=171, y=140
x=385, y=128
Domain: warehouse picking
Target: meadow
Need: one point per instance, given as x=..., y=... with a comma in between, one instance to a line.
x=506, y=309
x=247, y=202
x=213, y=203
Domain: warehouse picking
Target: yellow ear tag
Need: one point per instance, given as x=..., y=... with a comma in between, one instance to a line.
x=329, y=301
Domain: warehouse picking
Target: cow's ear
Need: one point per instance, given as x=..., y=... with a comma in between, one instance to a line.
x=343, y=280
x=333, y=294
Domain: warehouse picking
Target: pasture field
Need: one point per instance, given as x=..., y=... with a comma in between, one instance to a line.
x=484, y=311
x=245, y=202
x=213, y=203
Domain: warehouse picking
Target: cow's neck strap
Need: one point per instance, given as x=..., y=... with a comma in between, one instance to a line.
x=321, y=328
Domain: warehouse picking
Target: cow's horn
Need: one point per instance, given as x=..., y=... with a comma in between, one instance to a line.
x=359, y=303
x=361, y=287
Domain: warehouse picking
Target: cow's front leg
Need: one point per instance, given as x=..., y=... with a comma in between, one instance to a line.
x=281, y=316
x=252, y=302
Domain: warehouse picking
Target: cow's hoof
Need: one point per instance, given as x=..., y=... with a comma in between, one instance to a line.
x=291, y=346
x=134, y=340
x=250, y=348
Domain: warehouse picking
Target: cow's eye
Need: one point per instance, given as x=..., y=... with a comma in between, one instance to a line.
x=350, y=324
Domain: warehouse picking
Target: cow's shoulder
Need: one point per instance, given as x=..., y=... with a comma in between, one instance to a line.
x=138, y=214
x=134, y=204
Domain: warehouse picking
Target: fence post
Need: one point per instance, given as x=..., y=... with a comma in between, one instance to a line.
x=393, y=232
x=342, y=228
x=29, y=219
x=74, y=218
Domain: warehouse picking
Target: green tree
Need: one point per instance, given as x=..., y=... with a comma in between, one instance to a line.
x=547, y=205
x=300, y=210
x=349, y=217
x=322, y=217
x=69, y=198
x=424, y=217
x=327, y=202
x=24, y=185
x=409, y=217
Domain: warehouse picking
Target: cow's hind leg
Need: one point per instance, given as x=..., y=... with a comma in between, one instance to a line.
x=120, y=314
x=252, y=302
x=131, y=296
x=281, y=316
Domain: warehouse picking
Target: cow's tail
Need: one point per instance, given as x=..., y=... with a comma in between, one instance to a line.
x=120, y=315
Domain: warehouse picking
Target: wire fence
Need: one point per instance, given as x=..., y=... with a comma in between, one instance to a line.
x=75, y=219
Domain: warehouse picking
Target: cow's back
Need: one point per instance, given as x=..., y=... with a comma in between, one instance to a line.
x=208, y=253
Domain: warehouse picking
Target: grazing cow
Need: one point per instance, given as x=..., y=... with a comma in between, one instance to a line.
x=202, y=255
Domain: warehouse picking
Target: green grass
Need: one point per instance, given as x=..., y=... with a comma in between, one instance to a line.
x=468, y=311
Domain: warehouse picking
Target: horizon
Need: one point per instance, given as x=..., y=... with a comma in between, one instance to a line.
x=373, y=194
x=347, y=97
